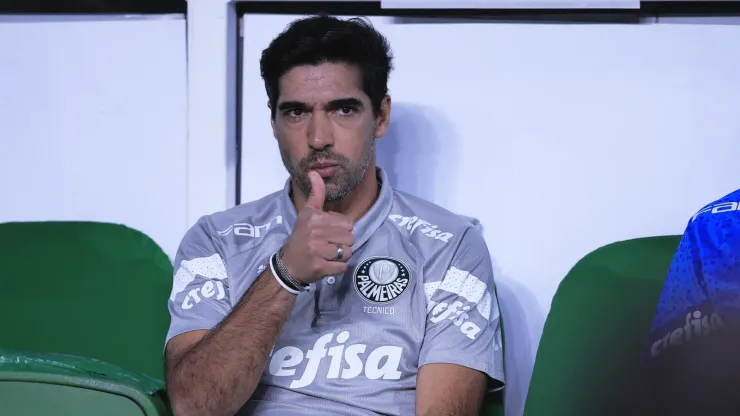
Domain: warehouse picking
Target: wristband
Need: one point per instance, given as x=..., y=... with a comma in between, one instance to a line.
x=279, y=278
x=285, y=274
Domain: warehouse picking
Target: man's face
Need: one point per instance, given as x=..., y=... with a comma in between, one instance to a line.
x=325, y=122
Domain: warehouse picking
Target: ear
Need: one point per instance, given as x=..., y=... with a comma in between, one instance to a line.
x=272, y=120
x=384, y=117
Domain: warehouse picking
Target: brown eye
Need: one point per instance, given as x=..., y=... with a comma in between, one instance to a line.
x=346, y=111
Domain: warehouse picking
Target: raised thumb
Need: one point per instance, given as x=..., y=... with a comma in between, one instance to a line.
x=318, y=191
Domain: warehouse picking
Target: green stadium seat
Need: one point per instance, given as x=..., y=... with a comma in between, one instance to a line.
x=63, y=385
x=83, y=289
x=597, y=327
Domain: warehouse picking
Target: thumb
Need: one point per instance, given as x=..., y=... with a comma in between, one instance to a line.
x=318, y=191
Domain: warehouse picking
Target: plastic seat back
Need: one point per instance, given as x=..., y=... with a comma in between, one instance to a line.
x=87, y=289
x=597, y=327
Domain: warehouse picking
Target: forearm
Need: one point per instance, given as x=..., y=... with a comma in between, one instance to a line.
x=219, y=374
x=452, y=407
x=449, y=390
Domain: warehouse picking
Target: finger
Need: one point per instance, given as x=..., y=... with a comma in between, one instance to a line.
x=338, y=235
x=334, y=268
x=336, y=219
x=318, y=191
x=329, y=252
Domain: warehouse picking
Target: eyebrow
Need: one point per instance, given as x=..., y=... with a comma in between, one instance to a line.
x=333, y=104
x=345, y=102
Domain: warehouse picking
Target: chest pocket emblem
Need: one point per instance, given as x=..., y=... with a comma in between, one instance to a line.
x=381, y=280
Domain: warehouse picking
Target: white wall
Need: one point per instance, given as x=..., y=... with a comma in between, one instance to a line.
x=212, y=67
x=93, y=122
x=559, y=138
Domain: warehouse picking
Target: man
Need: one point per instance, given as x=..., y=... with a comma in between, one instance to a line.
x=337, y=295
x=692, y=365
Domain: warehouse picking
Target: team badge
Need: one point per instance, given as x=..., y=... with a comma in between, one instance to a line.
x=381, y=279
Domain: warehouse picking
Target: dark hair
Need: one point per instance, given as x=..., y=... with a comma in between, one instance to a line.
x=318, y=39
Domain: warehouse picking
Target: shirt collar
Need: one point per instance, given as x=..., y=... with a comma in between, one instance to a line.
x=365, y=226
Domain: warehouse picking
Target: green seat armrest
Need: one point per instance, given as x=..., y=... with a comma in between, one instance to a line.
x=68, y=373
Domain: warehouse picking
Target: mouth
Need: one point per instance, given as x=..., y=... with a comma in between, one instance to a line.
x=325, y=169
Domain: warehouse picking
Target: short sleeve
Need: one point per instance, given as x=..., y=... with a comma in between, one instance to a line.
x=691, y=366
x=463, y=320
x=702, y=288
x=200, y=287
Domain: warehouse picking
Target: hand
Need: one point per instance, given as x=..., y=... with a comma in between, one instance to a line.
x=311, y=250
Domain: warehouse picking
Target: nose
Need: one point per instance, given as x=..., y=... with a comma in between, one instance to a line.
x=320, y=132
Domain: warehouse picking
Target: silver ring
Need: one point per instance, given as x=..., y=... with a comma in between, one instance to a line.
x=340, y=253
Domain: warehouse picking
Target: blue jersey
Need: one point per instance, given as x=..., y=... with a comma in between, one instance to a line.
x=702, y=290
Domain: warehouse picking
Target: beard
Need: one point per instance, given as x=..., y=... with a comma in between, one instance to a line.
x=347, y=177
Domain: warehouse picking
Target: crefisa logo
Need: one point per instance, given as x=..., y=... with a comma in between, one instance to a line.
x=381, y=279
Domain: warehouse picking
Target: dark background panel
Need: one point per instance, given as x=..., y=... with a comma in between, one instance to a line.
x=647, y=9
x=92, y=6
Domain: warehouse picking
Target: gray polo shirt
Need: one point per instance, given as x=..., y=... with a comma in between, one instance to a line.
x=419, y=289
